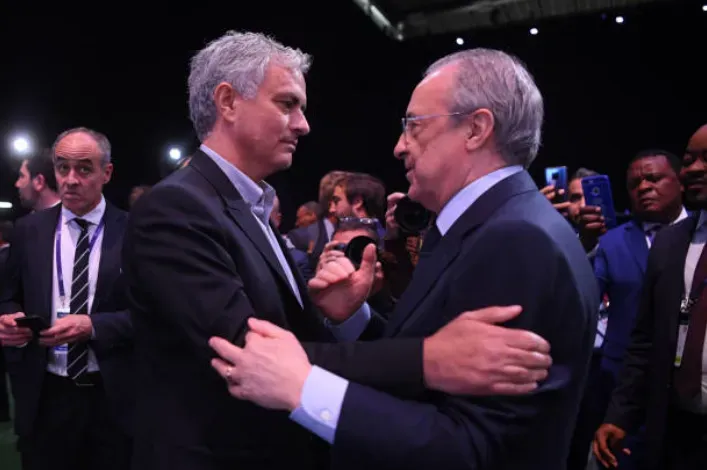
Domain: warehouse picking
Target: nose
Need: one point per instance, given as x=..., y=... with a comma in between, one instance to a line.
x=644, y=186
x=299, y=124
x=71, y=179
x=401, y=148
x=697, y=167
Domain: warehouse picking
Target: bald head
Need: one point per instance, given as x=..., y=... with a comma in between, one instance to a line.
x=699, y=139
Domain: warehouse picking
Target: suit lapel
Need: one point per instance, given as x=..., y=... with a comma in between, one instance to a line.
x=110, y=254
x=431, y=268
x=239, y=211
x=44, y=256
x=637, y=244
x=299, y=280
x=675, y=274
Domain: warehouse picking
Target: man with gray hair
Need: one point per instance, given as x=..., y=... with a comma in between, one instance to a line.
x=202, y=259
x=471, y=128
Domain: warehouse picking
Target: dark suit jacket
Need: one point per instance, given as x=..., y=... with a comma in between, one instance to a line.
x=29, y=290
x=199, y=265
x=644, y=391
x=510, y=247
x=619, y=265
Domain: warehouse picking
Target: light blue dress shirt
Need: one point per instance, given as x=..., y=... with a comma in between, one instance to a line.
x=323, y=392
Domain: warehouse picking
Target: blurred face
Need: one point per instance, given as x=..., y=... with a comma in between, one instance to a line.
x=694, y=169
x=80, y=173
x=135, y=195
x=575, y=196
x=305, y=217
x=27, y=187
x=339, y=205
x=433, y=146
x=654, y=189
x=265, y=130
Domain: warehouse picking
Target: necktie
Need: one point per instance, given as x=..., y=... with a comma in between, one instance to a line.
x=687, y=378
x=432, y=238
x=652, y=232
x=77, y=358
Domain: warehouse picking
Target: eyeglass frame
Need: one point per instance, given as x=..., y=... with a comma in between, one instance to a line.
x=405, y=119
x=361, y=220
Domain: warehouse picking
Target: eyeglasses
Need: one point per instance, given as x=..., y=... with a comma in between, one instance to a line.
x=408, y=119
x=360, y=220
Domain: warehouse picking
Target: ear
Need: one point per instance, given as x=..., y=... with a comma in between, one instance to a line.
x=39, y=183
x=357, y=203
x=107, y=172
x=226, y=98
x=479, y=129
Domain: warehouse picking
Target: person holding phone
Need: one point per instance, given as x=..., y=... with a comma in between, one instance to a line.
x=64, y=321
x=663, y=380
x=619, y=258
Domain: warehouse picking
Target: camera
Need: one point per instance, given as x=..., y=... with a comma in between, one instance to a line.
x=411, y=216
x=353, y=250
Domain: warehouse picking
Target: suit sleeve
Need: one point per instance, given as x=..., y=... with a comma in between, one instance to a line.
x=113, y=329
x=601, y=268
x=11, y=289
x=174, y=248
x=627, y=407
x=376, y=430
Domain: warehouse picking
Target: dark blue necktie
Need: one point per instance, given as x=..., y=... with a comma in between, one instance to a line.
x=77, y=358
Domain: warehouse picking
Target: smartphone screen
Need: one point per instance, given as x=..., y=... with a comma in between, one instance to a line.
x=557, y=176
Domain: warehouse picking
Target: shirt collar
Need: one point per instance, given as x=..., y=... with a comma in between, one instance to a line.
x=260, y=195
x=93, y=217
x=649, y=226
x=461, y=201
x=702, y=220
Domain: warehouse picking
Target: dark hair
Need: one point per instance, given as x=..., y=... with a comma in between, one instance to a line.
x=349, y=224
x=583, y=173
x=371, y=191
x=312, y=206
x=42, y=164
x=6, y=228
x=672, y=159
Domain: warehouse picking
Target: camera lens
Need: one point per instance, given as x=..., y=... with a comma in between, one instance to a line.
x=354, y=250
x=411, y=216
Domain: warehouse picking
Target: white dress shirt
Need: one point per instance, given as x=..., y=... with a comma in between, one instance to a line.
x=70, y=232
x=693, y=256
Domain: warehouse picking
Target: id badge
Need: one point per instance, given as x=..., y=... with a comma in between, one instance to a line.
x=61, y=348
x=683, y=323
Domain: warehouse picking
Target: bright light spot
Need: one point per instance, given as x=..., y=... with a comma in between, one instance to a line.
x=534, y=31
x=619, y=19
x=460, y=41
x=21, y=145
x=175, y=154
x=704, y=7
x=5, y=205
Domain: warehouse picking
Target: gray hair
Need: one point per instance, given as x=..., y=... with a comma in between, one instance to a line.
x=239, y=59
x=101, y=140
x=499, y=82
